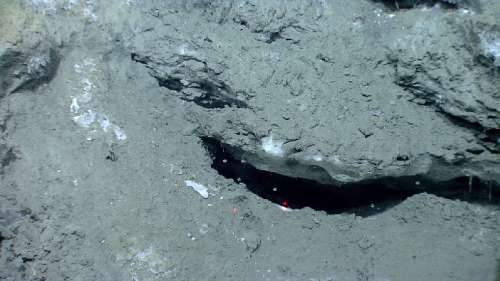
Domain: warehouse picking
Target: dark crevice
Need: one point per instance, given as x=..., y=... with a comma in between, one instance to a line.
x=273, y=36
x=216, y=96
x=488, y=138
x=140, y=59
x=173, y=84
x=411, y=4
x=4, y=122
x=208, y=93
x=7, y=156
x=364, y=199
x=27, y=259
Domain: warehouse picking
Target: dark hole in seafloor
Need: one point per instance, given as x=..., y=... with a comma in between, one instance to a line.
x=361, y=199
x=411, y=4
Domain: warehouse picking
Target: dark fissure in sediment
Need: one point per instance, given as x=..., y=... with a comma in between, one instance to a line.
x=364, y=199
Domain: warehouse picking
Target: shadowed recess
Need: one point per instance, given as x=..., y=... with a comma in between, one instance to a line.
x=410, y=4
x=363, y=199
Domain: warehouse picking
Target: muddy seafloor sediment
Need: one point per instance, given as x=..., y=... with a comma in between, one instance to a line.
x=249, y=140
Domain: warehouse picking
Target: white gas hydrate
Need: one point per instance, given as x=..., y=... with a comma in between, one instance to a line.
x=200, y=188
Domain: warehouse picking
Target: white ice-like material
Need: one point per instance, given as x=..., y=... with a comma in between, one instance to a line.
x=283, y=208
x=86, y=119
x=184, y=50
x=119, y=133
x=200, y=188
x=104, y=123
x=74, y=107
x=47, y=3
x=317, y=158
x=89, y=10
x=78, y=68
x=88, y=85
x=493, y=49
x=143, y=256
x=85, y=102
x=273, y=147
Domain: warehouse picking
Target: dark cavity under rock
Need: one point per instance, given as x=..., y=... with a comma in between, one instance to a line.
x=363, y=198
x=409, y=4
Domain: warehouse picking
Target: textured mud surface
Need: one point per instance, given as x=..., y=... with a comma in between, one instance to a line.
x=249, y=140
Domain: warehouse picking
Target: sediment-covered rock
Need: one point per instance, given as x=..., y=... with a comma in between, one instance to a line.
x=457, y=76
x=28, y=57
x=325, y=107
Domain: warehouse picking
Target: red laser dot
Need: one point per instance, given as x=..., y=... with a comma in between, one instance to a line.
x=284, y=203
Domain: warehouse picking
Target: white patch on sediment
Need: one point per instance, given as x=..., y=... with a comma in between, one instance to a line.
x=78, y=68
x=86, y=103
x=317, y=158
x=86, y=119
x=199, y=188
x=89, y=10
x=273, y=147
x=104, y=122
x=87, y=85
x=493, y=50
x=74, y=107
x=119, y=133
x=143, y=255
x=45, y=5
x=184, y=50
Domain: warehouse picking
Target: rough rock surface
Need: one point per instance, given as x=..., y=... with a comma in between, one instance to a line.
x=106, y=106
x=28, y=57
x=322, y=104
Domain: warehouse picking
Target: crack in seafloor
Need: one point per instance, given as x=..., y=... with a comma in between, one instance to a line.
x=364, y=199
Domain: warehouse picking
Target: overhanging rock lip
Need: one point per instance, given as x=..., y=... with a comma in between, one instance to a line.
x=424, y=169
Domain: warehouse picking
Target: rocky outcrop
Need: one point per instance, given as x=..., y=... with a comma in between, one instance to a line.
x=458, y=77
x=193, y=79
x=28, y=58
x=323, y=105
